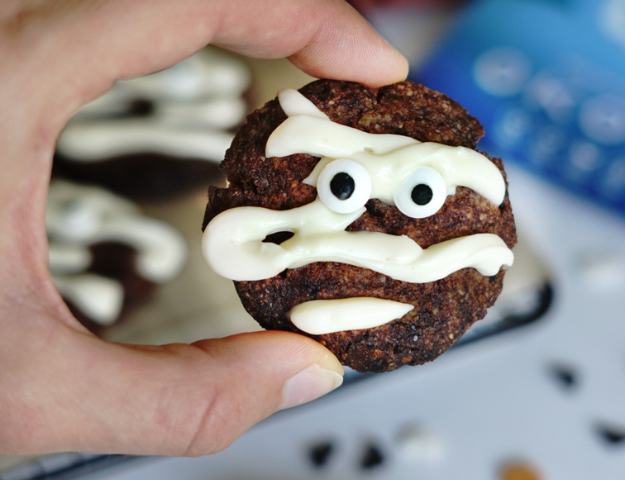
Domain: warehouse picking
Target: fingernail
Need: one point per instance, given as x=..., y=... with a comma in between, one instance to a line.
x=312, y=382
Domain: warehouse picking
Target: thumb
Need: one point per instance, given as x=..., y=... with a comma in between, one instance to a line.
x=183, y=400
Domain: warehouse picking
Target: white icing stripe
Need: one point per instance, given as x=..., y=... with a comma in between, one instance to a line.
x=388, y=158
x=318, y=317
x=96, y=141
x=208, y=113
x=209, y=72
x=161, y=250
x=233, y=246
x=214, y=113
x=294, y=103
x=324, y=138
x=64, y=259
x=97, y=297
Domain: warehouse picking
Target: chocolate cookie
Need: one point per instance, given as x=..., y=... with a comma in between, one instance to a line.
x=105, y=256
x=363, y=218
x=161, y=135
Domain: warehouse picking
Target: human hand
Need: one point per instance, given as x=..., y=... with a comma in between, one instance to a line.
x=61, y=388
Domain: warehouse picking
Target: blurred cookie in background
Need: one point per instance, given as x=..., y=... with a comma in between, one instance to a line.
x=159, y=135
x=105, y=257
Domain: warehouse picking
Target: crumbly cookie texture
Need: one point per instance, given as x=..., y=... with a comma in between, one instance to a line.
x=443, y=309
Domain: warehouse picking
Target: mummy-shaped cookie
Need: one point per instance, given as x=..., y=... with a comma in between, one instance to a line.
x=357, y=176
x=104, y=254
x=161, y=133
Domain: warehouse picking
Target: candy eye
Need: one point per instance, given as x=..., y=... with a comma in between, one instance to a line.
x=422, y=193
x=344, y=186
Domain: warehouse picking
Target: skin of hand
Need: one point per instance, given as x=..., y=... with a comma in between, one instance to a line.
x=61, y=388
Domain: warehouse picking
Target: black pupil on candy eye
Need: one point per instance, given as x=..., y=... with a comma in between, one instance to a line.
x=421, y=194
x=342, y=185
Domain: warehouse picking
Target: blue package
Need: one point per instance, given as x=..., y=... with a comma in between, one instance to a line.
x=547, y=80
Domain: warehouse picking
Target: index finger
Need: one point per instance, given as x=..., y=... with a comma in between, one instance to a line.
x=324, y=38
x=97, y=42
